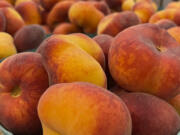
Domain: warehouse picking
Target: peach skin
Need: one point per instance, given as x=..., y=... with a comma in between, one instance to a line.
x=30, y=12
x=171, y=14
x=175, y=32
x=7, y=47
x=82, y=109
x=23, y=80
x=116, y=22
x=67, y=62
x=165, y=24
x=14, y=21
x=59, y=13
x=151, y=115
x=153, y=48
x=85, y=15
x=175, y=102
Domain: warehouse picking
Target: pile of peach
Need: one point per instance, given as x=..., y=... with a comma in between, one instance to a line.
x=123, y=81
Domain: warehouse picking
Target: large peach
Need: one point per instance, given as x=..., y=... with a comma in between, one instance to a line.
x=30, y=12
x=165, y=24
x=151, y=115
x=116, y=22
x=59, y=13
x=29, y=37
x=175, y=32
x=7, y=46
x=145, y=58
x=82, y=109
x=23, y=80
x=85, y=15
x=14, y=21
x=175, y=102
x=67, y=62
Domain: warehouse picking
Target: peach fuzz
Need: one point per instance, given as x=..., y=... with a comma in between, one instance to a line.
x=139, y=46
x=151, y=115
x=14, y=21
x=116, y=22
x=83, y=106
x=30, y=12
x=66, y=28
x=175, y=33
x=67, y=62
x=59, y=13
x=165, y=24
x=89, y=19
x=171, y=14
x=7, y=47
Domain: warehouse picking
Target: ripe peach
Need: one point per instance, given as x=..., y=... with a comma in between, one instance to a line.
x=175, y=32
x=29, y=37
x=165, y=24
x=116, y=22
x=83, y=109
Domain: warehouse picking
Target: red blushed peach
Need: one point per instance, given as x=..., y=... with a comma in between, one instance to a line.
x=85, y=15
x=29, y=37
x=23, y=80
x=86, y=108
x=2, y=22
x=30, y=12
x=4, y=3
x=116, y=22
x=151, y=115
x=171, y=14
x=102, y=6
x=145, y=58
x=144, y=10
x=59, y=13
x=173, y=5
x=66, y=28
x=165, y=24
x=13, y=20
x=175, y=102
x=175, y=33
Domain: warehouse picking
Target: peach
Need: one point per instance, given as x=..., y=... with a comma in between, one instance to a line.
x=11, y=1
x=127, y=5
x=17, y=2
x=59, y=13
x=151, y=115
x=29, y=37
x=48, y=4
x=85, y=15
x=66, y=61
x=114, y=4
x=7, y=47
x=13, y=20
x=30, y=12
x=144, y=10
x=46, y=29
x=66, y=28
x=2, y=22
x=4, y=4
x=83, y=109
x=23, y=80
x=175, y=102
x=175, y=32
x=165, y=24
x=171, y=14
x=102, y=6
x=116, y=22
x=145, y=58
x=173, y=5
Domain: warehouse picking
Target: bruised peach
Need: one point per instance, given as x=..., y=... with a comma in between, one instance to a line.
x=165, y=24
x=66, y=28
x=29, y=37
x=86, y=108
x=30, y=12
x=59, y=13
x=175, y=32
x=13, y=20
x=85, y=15
x=116, y=22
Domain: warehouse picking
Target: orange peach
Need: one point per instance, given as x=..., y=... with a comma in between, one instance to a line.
x=83, y=109
x=85, y=15
x=127, y=5
x=175, y=102
x=145, y=58
x=175, y=33
x=66, y=28
x=151, y=115
x=171, y=14
x=66, y=61
x=173, y=5
x=29, y=37
x=2, y=22
x=165, y=24
x=30, y=12
x=59, y=13
x=116, y=22
x=14, y=21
